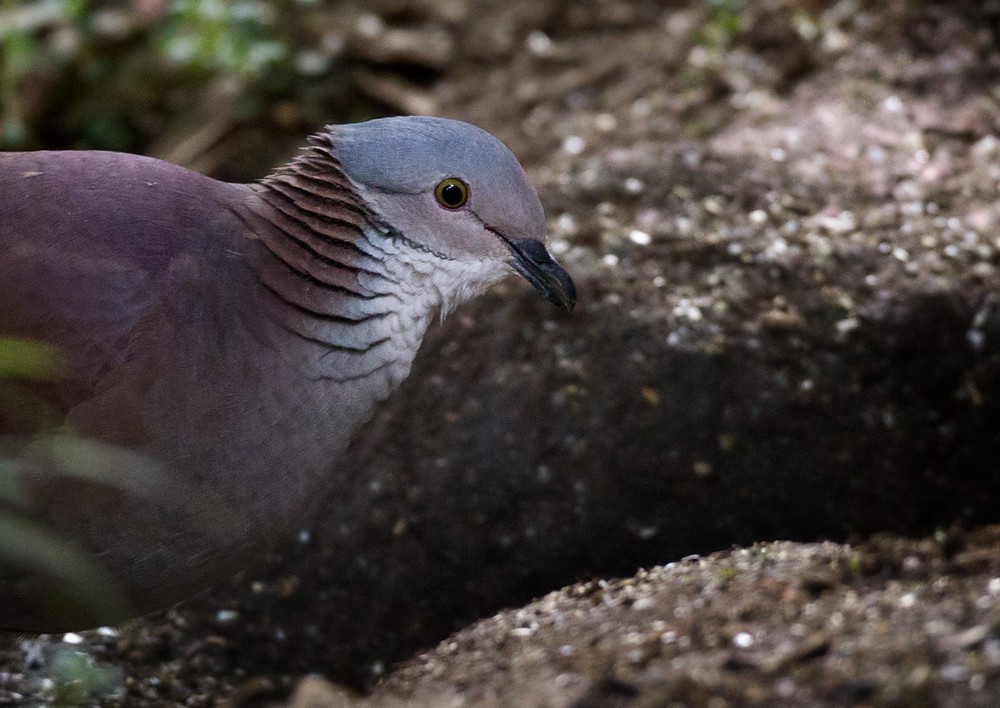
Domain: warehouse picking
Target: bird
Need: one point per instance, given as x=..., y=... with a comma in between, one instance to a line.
x=218, y=345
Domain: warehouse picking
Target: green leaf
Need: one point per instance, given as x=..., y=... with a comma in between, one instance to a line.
x=78, y=581
x=28, y=359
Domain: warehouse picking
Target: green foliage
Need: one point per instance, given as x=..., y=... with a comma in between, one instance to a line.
x=726, y=574
x=77, y=581
x=27, y=359
x=210, y=36
x=23, y=361
x=722, y=23
x=77, y=73
x=78, y=678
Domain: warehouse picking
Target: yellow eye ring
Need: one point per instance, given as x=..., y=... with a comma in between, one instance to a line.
x=451, y=193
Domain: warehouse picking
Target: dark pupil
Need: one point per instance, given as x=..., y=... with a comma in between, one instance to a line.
x=451, y=194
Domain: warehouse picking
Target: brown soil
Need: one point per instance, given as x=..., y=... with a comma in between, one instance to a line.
x=890, y=622
x=783, y=223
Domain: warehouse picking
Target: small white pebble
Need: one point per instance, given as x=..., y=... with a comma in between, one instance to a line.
x=659, y=281
x=304, y=536
x=953, y=673
x=634, y=185
x=743, y=640
x=566, y=224
x=226, y=616
x=699, y=56
x=647, y=532
x=846, y=325
x=574, y=144
x=785, y=687
x=522, y=632
x=841, y=223
x=539, y=43
x=994, y=586
x=610, y=260
x=758, y=216
x=688, y=311
x=779, y=246
x=644, y=603
x=605, y=122
x=991, y=652
x=778, y=154
x=834, y=40
x=986, y=147
x=877, y=154
x=559, y=246
x=692, y=159
x=908, y=600
x=641, y=107
x=369, y=25
x=107, y=631
x=892, y=104
x=640, y=238
x=72, y=638
x=713, y=205
x=563, y=680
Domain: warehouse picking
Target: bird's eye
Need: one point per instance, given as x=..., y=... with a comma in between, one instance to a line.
x=451, y=193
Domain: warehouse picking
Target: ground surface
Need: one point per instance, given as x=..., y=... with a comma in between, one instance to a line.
x=783, y=223
x=889, y=622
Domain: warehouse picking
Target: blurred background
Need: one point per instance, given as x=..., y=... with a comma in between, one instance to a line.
x=224, y=87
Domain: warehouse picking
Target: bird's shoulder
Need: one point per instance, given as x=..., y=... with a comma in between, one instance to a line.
x=96, y=246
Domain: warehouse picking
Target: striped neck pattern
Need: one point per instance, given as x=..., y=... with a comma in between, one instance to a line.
x=356, y=294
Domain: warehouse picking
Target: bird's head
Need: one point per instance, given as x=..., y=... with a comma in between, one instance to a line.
x=454, y=191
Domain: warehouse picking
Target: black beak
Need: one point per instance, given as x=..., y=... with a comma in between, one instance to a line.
x=532, y=260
